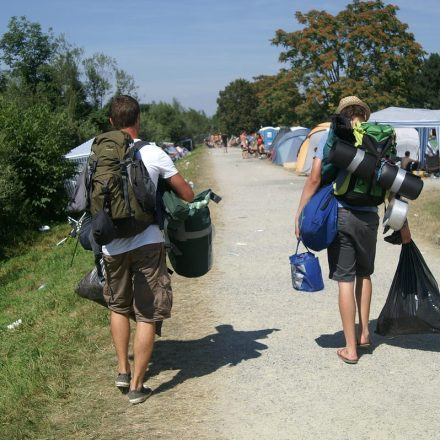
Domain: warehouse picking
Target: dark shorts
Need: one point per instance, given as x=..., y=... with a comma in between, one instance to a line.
x=353, y=252
x=139, y=280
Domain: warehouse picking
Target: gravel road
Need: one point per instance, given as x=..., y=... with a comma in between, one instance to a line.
x=247, y=357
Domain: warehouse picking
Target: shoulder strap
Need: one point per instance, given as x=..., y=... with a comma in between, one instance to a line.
x=140, y=144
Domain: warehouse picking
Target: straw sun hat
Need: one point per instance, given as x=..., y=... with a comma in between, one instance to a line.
x=353, y=100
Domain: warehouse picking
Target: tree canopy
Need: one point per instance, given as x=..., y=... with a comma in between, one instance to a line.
x=363, y=50
x=277, y=97
x=237, y=107
x=426, y=84
x=52, y=99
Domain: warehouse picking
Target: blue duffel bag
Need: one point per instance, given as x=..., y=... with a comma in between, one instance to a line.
x=318, y=222
x=306, y=271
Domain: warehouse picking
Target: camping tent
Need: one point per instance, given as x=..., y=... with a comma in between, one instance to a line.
x=308, y=148
x=423, y=120
x=80, y=153
x=407, y=139
x=279, y=133
x=79, y=156
x=286, y=148
x=269, y=134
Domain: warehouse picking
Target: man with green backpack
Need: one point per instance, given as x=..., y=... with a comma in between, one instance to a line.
x=132, y=242
x=351, y=255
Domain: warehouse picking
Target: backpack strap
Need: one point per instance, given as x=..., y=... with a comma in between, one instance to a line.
x=140, y=144
x=124, y=176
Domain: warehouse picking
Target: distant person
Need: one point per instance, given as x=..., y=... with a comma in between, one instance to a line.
x=136, y=271
x=244, y=144
x=407, y=163
x=225, y=142
x=260, y=145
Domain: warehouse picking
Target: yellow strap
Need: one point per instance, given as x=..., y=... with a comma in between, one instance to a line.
x=358, y=132
x=343, y=188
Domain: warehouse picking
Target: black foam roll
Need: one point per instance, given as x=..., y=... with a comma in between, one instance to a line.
x=410, y=187
x=342, y=154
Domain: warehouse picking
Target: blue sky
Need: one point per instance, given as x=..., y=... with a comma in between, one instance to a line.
x=191, y=49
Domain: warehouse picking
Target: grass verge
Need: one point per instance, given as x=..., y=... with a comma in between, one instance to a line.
x=424, y=213
x=60, y=338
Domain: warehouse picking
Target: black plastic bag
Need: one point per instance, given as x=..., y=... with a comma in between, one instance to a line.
x=413, y=302
x=91, y=287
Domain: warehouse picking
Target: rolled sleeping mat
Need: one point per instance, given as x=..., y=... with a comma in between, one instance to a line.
x=399, y=181
x=395, y=214
x=355, y=160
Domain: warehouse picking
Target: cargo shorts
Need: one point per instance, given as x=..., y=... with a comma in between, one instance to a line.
x=138, y=280
x=353, y=251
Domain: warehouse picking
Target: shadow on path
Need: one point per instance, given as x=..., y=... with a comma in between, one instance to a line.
x=424, y=342
x=203, y=356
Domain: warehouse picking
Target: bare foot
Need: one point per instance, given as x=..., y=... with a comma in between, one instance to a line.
x=347, y=357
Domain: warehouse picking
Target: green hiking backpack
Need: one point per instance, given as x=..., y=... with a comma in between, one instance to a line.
x=377, y=141
x=122, y=196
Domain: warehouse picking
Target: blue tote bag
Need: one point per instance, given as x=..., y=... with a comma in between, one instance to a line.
x=319, y=220
x=306, y=271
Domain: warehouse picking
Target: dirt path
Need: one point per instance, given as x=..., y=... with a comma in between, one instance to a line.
x=247, y=357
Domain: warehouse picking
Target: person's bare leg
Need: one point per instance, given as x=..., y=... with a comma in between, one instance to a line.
x=142, y=348
x=120, y=328
x=347, y=309
x=363, y=299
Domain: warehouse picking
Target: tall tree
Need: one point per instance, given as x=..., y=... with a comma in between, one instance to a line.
x=125, y=84
x=65, y=90
x=426, y=86
x=364, y=50
x=237, y=107
x=277, y=98
x=99, y=70
x=26, y=50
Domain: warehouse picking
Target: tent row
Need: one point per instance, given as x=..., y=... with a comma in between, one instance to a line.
x=295, y=147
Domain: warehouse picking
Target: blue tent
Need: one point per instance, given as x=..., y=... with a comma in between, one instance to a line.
x=269, y=134
x=287, y=147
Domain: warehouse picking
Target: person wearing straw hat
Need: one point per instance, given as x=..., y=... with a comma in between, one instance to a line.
x=351, y=256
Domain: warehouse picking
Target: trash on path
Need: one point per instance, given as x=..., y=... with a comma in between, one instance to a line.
x=44, y=228
x=234, y=254
x=241, y=244
x=14, y=325
x=260, y=230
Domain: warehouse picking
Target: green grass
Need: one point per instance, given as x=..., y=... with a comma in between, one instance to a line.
x=40, y=360
x=190, y=165
x=56, y=334
x=424, y=213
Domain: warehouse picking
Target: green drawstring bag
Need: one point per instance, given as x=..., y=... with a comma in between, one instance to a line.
x=188, y=232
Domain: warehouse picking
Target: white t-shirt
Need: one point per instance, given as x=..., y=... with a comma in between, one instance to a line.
x=158, y=163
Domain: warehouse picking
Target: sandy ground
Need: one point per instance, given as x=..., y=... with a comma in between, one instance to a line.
x=247, y=357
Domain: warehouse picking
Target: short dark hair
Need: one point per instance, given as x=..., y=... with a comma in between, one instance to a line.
x=124, y=111
x=353, y=111
x=407, y=153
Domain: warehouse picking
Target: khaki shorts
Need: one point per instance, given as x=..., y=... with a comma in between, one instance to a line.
x=139, y=280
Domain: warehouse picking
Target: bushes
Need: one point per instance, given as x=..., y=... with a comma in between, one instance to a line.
x=33, y=141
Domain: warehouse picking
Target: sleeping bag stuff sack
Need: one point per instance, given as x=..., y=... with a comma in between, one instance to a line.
x=319, y=220
x=188, y=233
